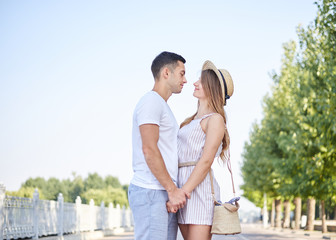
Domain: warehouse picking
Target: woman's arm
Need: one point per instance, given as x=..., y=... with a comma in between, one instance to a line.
x=214, y=130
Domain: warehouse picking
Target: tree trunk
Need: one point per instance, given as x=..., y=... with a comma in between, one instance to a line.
x=311, y=214
x=265, y=213
x=286, y=223
x=278, y=213
x=273, y=213
x=324, y=224
x=335, y=213
x=298, y=207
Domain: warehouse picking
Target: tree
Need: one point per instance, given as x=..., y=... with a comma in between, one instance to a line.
x=38, y=182
x=109, y=195
x=112, y=181
x=258, y=172
x=53, y=188
x=25, y=192
x=94, y=181
x=318, y=105
x=298, y=122
x=93, y=187
x=76, y=187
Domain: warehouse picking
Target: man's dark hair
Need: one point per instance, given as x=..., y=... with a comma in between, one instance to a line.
x=163, y=59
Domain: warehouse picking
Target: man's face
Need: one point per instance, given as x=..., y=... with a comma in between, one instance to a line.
x=177, y=78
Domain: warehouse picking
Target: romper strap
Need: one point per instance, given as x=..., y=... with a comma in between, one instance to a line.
x=207, y=115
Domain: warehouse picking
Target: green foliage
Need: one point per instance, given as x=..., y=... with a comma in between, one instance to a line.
x=317, y=102
x=108, y=195
x=38, y=182
x=94, y=187
x=294, y=145
x=253, y=195
x=53, y=188
x=257, y=171
x=112, y=181
x=125, y=188
x=76, y=188
x=25, y=192
x=94, y=181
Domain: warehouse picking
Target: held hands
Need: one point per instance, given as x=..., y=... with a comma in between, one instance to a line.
x=177, y=199
x=170, y=207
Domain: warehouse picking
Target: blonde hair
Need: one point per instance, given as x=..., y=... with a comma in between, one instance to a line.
x=213, y=92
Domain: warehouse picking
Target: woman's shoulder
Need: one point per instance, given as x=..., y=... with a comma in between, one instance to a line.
x=216, y=120
x=213, y=121
x=216, y=117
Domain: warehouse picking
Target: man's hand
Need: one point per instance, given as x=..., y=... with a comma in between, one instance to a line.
x=177, y=198
x=170, y=208
x=173, y=209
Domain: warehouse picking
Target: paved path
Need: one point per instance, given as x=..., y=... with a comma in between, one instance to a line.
x=122, y=236
x=253, y=232
x=257, y=232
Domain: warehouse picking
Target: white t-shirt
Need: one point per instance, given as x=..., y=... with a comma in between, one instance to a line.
x=153, y=109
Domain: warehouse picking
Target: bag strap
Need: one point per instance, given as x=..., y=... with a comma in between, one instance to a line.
x=212, y=189
x=211, y=179
x=230, y=170
x=193, y=163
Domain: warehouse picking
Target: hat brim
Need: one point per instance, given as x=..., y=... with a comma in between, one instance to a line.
x=208, y=65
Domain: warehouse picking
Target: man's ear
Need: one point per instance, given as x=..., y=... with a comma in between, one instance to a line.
x=165, y=72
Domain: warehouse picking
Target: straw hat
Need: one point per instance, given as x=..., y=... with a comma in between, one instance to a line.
x=224, y=77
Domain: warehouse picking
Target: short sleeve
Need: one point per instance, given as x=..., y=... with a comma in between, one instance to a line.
x=149, y=111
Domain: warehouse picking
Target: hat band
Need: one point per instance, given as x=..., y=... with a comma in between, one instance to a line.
x=225, y=87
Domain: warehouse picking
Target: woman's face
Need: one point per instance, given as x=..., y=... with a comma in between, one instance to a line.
x=199, y=92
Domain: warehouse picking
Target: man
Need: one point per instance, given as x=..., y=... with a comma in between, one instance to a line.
x=155, y=162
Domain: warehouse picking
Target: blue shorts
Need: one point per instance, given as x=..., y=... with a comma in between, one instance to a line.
x=151, y=219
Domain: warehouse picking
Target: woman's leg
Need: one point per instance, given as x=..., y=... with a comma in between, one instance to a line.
x=199, y=232
x=184, y=230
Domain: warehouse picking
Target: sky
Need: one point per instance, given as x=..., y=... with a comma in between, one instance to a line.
x=71, y=73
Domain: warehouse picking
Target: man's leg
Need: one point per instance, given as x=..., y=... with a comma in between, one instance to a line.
x=149, y=212
x=138, y=203
x=172, y=226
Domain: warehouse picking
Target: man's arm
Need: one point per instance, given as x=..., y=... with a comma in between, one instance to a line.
x=150, y=137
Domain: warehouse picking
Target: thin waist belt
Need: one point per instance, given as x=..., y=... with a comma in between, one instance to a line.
x=193, y=163
x=187, y=164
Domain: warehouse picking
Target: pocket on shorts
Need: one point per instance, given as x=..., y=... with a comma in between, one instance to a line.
x=141, y=196
x=137, y=196
x=151, y=195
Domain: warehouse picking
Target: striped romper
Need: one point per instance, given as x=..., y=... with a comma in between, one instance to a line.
x=190, y=143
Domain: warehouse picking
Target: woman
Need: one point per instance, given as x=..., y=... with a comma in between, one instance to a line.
x=201, y=138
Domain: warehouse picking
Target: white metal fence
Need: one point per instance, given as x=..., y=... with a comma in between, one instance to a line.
x=34, y=218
